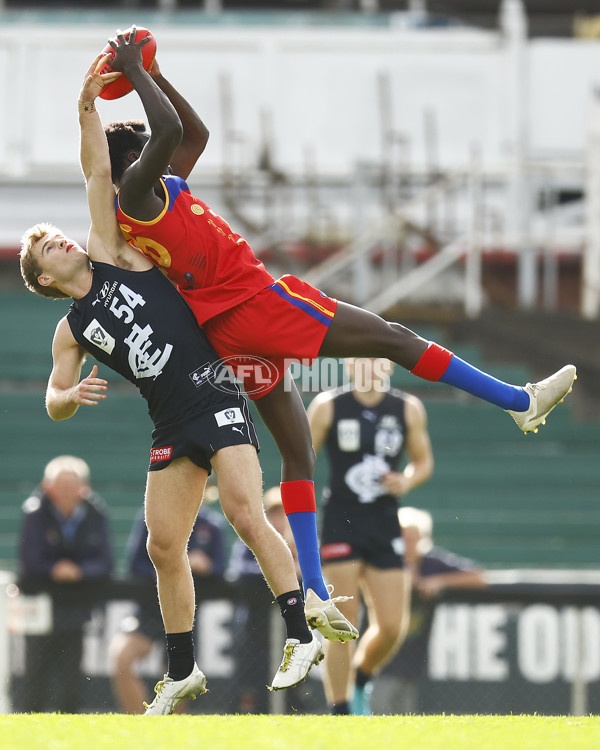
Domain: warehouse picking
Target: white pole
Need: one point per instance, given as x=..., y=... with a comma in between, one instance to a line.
x=513, y=21
x=6, y=580
x=473, y=292
x=551, y=270
x=579, y=697
x=590, y=296
x=276, y=640
x=361, y=274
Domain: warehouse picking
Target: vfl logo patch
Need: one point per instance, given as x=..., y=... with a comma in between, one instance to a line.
x=202, y=375
x=348, y=435
x=229, y=416
x=161, y=454
x=99, y=337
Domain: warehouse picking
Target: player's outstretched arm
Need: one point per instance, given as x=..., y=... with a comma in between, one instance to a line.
x=65, y=394
x=105, y=235
x=93, y=152
x=195, y=132
x=105, y=240
x=166, y=131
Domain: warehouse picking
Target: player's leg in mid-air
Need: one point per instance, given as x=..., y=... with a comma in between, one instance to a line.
x=240, y=491
x=359, y=333
x=284, y=414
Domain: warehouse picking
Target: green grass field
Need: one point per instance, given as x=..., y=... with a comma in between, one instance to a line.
x=207, y=732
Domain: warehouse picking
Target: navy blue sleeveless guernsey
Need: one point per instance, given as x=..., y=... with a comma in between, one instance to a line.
x=363, y=444
x=136, y=323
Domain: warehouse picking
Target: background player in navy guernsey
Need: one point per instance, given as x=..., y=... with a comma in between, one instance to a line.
x=367, y=429
x=130, y=317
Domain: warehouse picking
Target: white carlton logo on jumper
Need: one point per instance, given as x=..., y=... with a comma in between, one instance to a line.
x=364, y=478
x=143, y=363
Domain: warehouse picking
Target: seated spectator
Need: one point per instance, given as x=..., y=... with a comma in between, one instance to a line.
x=144, y=628
x=64, y=538
x=433, y=569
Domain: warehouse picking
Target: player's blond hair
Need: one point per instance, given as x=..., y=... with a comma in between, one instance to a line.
x=30, y=266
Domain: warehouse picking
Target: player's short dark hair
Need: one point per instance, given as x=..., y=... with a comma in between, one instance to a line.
x=123, y=137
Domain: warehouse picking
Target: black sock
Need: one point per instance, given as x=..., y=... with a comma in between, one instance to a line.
x=339, y=709
x=292, y=611
x=362, y=678
x=180, y=655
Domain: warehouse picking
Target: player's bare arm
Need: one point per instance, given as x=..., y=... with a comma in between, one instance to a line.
x=137, y=187
x=195, y=132
x=105, y=239
x=320, y=418
x=65, y=392
x=418, y=449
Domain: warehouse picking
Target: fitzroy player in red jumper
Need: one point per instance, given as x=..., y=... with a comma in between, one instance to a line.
x=245, y=311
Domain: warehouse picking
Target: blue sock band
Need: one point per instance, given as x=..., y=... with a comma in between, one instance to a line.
x=468, y=378
x=304, y=529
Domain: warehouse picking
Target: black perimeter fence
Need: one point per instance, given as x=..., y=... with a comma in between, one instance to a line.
x=525, y=644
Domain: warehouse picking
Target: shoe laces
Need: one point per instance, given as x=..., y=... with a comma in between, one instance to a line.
x=336, y=599
x=288, y=653
x=157, y=688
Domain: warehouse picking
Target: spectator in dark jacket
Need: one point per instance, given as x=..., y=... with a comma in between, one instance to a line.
x=64, y=539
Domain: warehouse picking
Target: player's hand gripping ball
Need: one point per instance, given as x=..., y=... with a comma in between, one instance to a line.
x=122, y=86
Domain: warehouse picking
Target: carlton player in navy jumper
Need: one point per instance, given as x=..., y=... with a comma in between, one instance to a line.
x=366, y=430
x=129, y=316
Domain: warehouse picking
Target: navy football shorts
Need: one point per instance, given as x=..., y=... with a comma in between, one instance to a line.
x=200, y=436
x=362, y=531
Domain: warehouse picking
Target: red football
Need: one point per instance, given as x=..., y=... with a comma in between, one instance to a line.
x=121, y=86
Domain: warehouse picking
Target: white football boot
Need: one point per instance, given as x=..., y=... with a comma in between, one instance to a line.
x=298, y=658
x=171, y=692
x=324, y=616
x=543, y=397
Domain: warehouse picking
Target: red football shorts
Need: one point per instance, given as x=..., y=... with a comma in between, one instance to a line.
x=286, y=321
